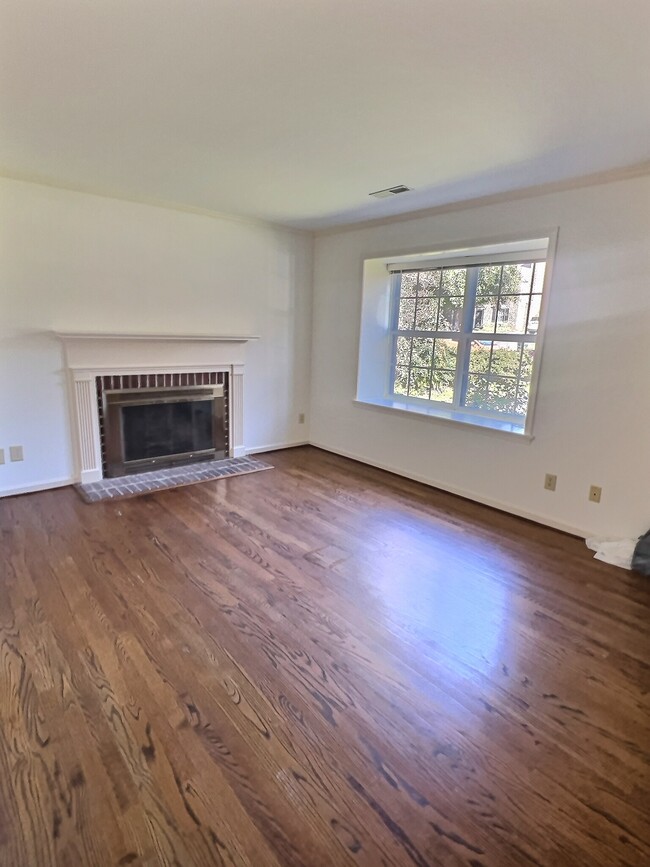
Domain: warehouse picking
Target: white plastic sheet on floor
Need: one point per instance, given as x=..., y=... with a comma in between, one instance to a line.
x=618, y=552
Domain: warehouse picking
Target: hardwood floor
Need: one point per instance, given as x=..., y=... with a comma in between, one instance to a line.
x=321, y=664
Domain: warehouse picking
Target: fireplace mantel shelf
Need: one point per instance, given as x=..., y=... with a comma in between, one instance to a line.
x=202, y=338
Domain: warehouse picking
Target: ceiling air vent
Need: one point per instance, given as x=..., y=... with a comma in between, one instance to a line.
x=391, y=191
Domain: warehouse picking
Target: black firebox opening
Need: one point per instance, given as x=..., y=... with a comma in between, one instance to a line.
x=160, y=429
x=151, y=428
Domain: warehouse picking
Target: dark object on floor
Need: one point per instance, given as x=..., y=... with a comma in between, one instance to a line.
x=641, y=556
x=173, y=477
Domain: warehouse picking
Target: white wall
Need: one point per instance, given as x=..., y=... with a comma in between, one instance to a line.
x=593, y=407
x=76, y=262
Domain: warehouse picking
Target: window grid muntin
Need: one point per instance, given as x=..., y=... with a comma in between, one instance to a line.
x=465, y=337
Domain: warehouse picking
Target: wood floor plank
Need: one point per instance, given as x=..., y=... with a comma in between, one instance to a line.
x=322, y=664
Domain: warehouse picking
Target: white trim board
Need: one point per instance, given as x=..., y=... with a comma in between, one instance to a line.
x=544, y=520
x=461, y=492
x=62, y=483
x=36, y=487
x=276, y=447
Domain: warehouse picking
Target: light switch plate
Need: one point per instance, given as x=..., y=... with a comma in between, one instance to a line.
x=15, y=453
x=2, y=456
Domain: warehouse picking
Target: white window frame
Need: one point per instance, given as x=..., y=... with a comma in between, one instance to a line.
x=466, y=255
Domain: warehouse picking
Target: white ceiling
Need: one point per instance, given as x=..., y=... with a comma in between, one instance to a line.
x=294, y=110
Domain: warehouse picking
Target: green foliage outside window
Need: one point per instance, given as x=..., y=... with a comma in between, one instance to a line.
x=498, y=375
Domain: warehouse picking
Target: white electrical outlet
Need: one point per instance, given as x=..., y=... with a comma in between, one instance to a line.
x=595, y=493
x=15, y=453
x=550, y=482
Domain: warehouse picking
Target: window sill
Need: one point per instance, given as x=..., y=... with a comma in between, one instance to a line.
x=453, y=417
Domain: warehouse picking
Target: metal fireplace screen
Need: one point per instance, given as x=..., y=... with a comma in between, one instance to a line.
x=153, y=428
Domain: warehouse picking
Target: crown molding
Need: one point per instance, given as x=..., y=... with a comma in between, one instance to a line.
x=574, y=183
x=534, y=191
x=103, y=193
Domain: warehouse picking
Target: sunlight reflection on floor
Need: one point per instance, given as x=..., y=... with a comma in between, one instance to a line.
x=461, y=613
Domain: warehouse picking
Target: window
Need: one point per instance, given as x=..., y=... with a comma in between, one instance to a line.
x=461, y=333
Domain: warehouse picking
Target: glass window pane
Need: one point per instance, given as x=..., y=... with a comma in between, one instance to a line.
x=489, y=280
x=516, y=279
x=429, y=282
x=453, y=281
x=445, y=355
x=523, y=393
x=450, y=317
x=527, y=358
x=403, y=354
x=475, y=396
x=499, y=378
x=401, y=381
x=525, y=279
x=425, y=319
x=408, y=284
x=538, y=279
x=504, y=313
x=501, y=394
x=505, y=358
x=533, y=314
x=485, y=314
x=479, y=356
x=406, y=314
x=442, y=386
x=511, y=317
x=422, y=351
x=419, y=382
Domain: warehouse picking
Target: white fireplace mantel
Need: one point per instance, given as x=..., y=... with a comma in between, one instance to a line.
x=88, y=355
x=104, y=335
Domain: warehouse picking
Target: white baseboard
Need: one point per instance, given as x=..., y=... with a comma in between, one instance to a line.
x=38, y=486
x=275, y=447
x=461, y=492
x=95, y=475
